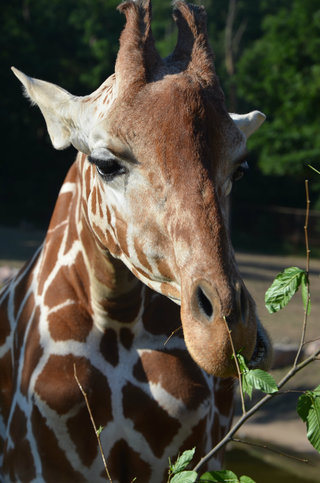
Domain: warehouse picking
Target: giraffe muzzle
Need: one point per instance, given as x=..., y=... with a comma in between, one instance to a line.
x=206, y=312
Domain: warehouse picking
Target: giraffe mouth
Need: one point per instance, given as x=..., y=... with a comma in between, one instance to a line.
x=261, y=351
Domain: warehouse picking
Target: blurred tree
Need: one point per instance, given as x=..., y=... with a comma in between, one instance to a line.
x=282, y=70
x=267, y=56
x=72, y=43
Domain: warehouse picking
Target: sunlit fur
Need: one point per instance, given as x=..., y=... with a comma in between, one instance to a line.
x=93, y=295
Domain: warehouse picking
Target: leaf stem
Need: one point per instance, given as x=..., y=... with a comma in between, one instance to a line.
x=237, y=365
x=273, y=450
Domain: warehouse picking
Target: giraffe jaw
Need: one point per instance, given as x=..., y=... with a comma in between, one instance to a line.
x=262, y=354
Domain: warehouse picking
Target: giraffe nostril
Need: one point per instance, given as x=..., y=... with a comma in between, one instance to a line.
x=204, y=303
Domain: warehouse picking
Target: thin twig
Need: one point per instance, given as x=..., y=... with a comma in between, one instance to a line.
x=172, y=334
x=306, y=309
x=97, y=432
x=312, y=340
x=237, y=365
x=254, y=409
x=273, y=450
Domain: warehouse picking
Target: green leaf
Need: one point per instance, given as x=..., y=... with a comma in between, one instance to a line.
x=246, y=479
x=305, y=293
x=283, y=288
x=185, y=477
x=99, y=430
x=255, y=379
x=182, y=461
x=308, y=408
x=262, y=380
x=242, y=364
x=222, y=476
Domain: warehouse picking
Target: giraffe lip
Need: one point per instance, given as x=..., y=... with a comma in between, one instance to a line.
x=260, y=352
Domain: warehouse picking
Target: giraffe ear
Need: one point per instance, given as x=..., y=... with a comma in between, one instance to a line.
x=60, y=110
x=248, y=123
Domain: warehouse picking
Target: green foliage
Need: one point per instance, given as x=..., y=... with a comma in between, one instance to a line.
x=184, y=477
x=283, y=288
x=182, y=462
x=308, y=408
x=280, y=72
x=74, y=43
x=224, y=476
x=179, y=474
x=255, y=379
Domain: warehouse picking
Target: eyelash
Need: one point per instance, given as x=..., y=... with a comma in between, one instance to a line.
x=108, y=168
x=240, y=171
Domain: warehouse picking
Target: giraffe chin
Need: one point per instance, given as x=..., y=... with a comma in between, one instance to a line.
x=209, y=346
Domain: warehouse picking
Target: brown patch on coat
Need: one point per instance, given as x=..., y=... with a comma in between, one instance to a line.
x=6, y=384
x=126, y=338
x=55, y=465
x=125, y=308
x=20, y=292
x=22, y=324
x=99, y=197
x=50, y=257
x=32, y=355
x=5, y=328
x=59, y=373
x=72, y=235
x=87, y=180
x=176, y=373
x=162, y=317
x=153, y=422
x=70, y=283
x=218, y=432
x=70, y=322
x=165, y=270
x=224, y=395
x=109, y=347
x=19, y=460
x=82, y=434
x=121, y=231
x=125, y=464
x=141, y=256
x=94, y=201
x=62, y=209
x=196, y=440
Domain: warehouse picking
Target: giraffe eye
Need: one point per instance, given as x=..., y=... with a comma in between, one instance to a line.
x=108, y=168
x=240, y=171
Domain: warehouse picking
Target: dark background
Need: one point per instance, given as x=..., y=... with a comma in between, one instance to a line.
x=267, y=57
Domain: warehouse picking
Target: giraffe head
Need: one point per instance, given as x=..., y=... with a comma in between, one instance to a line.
x=163, y=153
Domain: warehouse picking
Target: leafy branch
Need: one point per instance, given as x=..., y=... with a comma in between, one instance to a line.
x=178, y=472
x=283, y=288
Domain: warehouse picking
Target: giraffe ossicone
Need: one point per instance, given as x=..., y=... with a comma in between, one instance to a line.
x=140, y=223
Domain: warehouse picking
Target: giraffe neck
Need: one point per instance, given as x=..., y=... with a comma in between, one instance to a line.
x=82, y=307
x=107, y=289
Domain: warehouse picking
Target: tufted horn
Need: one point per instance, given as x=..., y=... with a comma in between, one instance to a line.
x=193, y=47
x=137, y=57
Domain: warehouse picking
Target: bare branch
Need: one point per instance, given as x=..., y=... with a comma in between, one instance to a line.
x=172, y=334
x=97, y=431
x=306, y=309
x=273, y=450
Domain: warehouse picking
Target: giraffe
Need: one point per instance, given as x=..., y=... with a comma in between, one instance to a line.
x=136, y=277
